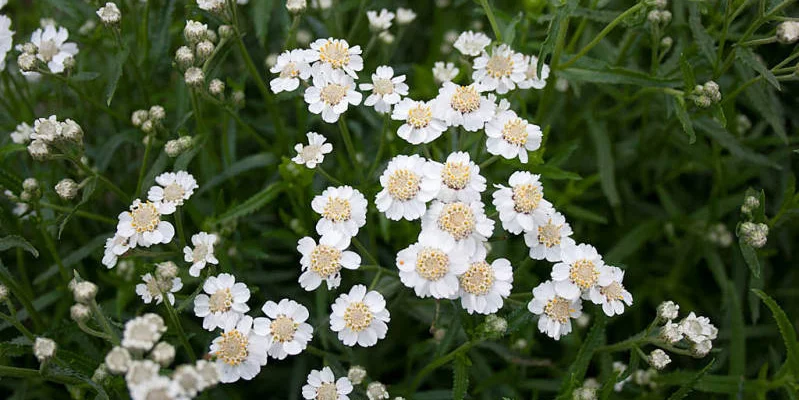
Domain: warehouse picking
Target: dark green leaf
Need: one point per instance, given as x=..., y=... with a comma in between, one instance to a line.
x=705, y=42
x=786, y=330
x=749, y=58
x=84, y=76
x=117, y=65
x=750, y=256
x=460, y=381
x=688, y=77
x=685, y=119
x=604, y=159
x=86, y=194
x=579, y=366
x=729, y=142
x=252, y=204
x=252, y=162
x=564, y=10
x=13, y=241
x=583, y=72
x=261, y=13
x=737, y=334
x=687, y=387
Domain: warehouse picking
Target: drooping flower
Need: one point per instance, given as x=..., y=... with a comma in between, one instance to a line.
x=202, y=253
x=291, y=66
x=314, y=152
x=172, y=189
x=337, y=54
x=223, y=303
x=555, y=312
x=549, y=237
x=331, y=93
x=322, y=385
x=240, y=351
x=386, y=88
x=462, y=225
x=432, y=268
x=423, y=120
x=500, y=71
x=343, y=211
x=360, y=317
x=285, y=328
x=323, y=262
x=484, y=286
x=408, y=182
x=464, y=106
x=510, y=136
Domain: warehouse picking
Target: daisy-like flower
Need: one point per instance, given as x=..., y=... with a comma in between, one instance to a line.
x=52, y=47
x=386, y=88
x=22, y=134
x=510, y=136
x=323, y=262
x=331, y=94
x=484, y=286
x=501, y=71
x=432, y=268
x=360, y=317
x=472, y=44
x=291, y=66
x=549, y=237
x=343, y=211
x=580, y=270
x=409, y=182
x=142, y=225
x=202, y=253
x=337, y=54
x=522, y=206
x=444, y=72
x=531, y=77
x=115, y=246
x=155, y=288
x=555, y=311
x=423, y=123
x=314, y=152
x=285, y=328
x=464, y=106
x=698, y=329
x=460, y=179
x=6, y=41
x=322, y=385
x=47, y=129
x=240, y=351
x=172, y=189
x=610, y=293
x=223, y=303
x=379, y=21
x=462, y=225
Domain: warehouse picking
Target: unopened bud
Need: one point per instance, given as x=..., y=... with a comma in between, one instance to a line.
x=67, y=189
x=80, y=312
x=109, y=14
x=184, y=57
x=157, y=113
x=204, y=50
x=216, y=88
x=138, y=117
x=194, y=77
x=26, y=62
x=166, y=270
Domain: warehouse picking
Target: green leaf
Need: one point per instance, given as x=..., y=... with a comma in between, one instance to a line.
x=13, y=241
x=252, y=162
x=564, y=10
x=548, y=171
x=786, y=330
x=705, y=42
x=604, y=159
x=460, y=381
x=261, y=13
x=113, y=77
x=86, y=194
x=737, y=334
x=509, y=29
x=685, y=119
x=688, y=77
x=84, y=76
x=731, y=143
x=750, y=256
x=586, y=70
x=759, y=96
x=749, y=58
x=633, y=240
x=579, y=366
x=75, y=257
x=252, y=204
x=687, y=387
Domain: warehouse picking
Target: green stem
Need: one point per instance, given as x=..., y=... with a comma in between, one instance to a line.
x=321, y=353
x=366, y=252
x=380, y=147
x=84, y=214
x=604, y=32
x=93, y=332
x=491, y=19
x=143, y=168
x=88, y=99
x=14, y=322
x=376, y=279
x=345, y=135
x=358, y=19
x=184, y=340
x=328, y=176
x=48, y=241
x=179, y=223
x=292, y=35
x=758, y=42
x=189, y=301
x=88, y=171
x=28, y=374
x=488, y=162
x=102, y=320
x=439, y=362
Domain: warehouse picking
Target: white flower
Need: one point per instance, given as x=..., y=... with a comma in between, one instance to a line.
x=462, y=225
x=668, y=310
x=444, y=72
x=6, y=41
x=322, y=385
x=141, y=371
x=163, y=353
x=314, y=152
x=423, y=121
x=510, y=136
x=142, y=225
x=460, y=179
x=210, y=373
x=118, y=360
x=522, y=206
x=356, y=374
x=240, y=351
x=158, y=387
x=142, y=333
x=172, y=189
x=223, y=303
x=323, y=262
x=211, y=5
x=331, y=94
x=188, y=380
x=47, y=129
x=464, y=106
x=202, y=253
x=387, y=89
x=698, y=329
x=501, y=71
x=531, y=77
x=472, y=44
x=579, y=271
x=322, y=4
x=376, y=391
x=610, y=293
x=408, y=182
x=296, y=6
x=343, y=211
x=115, y=246
x=44, y=348
x=549, y=237
x=701, y=349
x=360, y=317
x=670, y=332
x=52, y=47
x=788, y=32
x=109, y=14
x=484, y=286
x=555, y=311
x=291, y=66
x=405, y=16
x=380, y=21
x=156, y=288
x=658, y=359
x=337, y=54
x=432, y=268
x=22, y=134
x=285, y=328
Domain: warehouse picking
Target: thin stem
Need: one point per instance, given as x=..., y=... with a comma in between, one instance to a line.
x=143, y=168
x=13, y=321
x=329, y=177
x=488, y=162
x=102, y=320
x=179, y=223
x=82, y=325
x=84, y=214
x=358, y=19
x=439, y=362
x=48, y=241
x=184, y=340
x=292, y=35
x=88, y=99
x=491, y=19
x=366, y=252
x=189, y=301
x=380, y=147
x=376, y=279
x=345, y=134
x=322, y=353
x=758, y=42
x=604, y=32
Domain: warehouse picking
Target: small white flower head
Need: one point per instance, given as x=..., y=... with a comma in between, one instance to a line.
x=142, y=225
x=386, y=89
x=163, y=353
x=788, y=32
x=84, y=292
x=701, y=349
x=285, y=328
x=166, y=270
x=549, y=238
x=172, y=189
x=204, y=49
x=610, y=293
x=531, y=76
x=141, y=372
x=142, y=333
x=379, y=21
x=27, y=64
x=44, y=349
x=670, y=332
x=291, y=66
x=432, y=268
x=386, y=37
x=202, y=253
x=188, y=380
x=658, y=359
x=296, y=6
x=6, y=38
x=360, y=317
x=240, y=351
x=484, y=286
x=71, y=131
x=223, y=303
x=184, y=57
x=22, y=134
x=156, y=288
x=209, y=372
x=580, y=270
x=464, y=106
x=461, y=225
x=322, y=385
x=331, y=93
x=217, y=88
x=336, y=54
x=155, y=387
x=324, y=261
x=47, y=129
x=472, y=44
x=52, y=47
x=356, y=374
x=3, y=292
x=444, y=72
x=211, y=5
x=343, y=211
x=698, y=329
x=754, y=234
x=408, y=182
x=314, y=152
x=750, y=203
x=588, y=390
x=500, y=71
x=194, y=77
x=109, y=14
x=522, y=206
x=115, y=246
x=405, y=16
x=118, y=360
x=510, y=136
x=423, y=122
x=376, y=391
x=668, y=310
x=39, y=150
x=138, y=117
x=460, y=179
x=80, y=313
x=555, y=311
x=66, y=189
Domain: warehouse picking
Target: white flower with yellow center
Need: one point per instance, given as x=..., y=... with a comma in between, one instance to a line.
x=432, y=269
x=291, y=66
x=223, y=303
x=462, y=225
x=423, y=122
x=202, y=253
x=472, y=44
x=337, y=54
x=156, y=288
x=331, y=94
x=115, y=246
x=285, y=328
x=343, y=211
x=484, y=286
x=322, y=385
x=531, y=77
x=548, y=238
x=142, y=225
x=172, y=189
x=460, y=179
x=464, y=106
x=580, y=270
x=500, y=71
x=444, y=72
x=314, y=152
x=386, y=88
x=555, y=312
x=610, y=293
x=522, y=206
x=52, y=47
x=360, y=317
x=510, y=136
x=409, y=182
x=240, y=351
x=323, y=262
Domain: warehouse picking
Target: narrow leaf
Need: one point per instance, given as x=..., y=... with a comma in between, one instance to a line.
x=252, y=204
x=731, y=143
x=687, y=387
x=786, y=330
x=705, y=42
x=580, y=364
x=685, y=119
x=12, y=241
x=604, y=159
x=114, y=75
x=460, y=381
x=564, y=10
x=751, y=60
x=750, y=256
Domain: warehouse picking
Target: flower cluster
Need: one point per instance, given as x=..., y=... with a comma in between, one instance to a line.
x=47, y=51
x=49, y=137
x=694, y=333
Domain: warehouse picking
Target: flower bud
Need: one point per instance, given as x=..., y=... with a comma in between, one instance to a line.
x=26, y=62
x=184, y=57
x=356, y=374
x=84, y=292
x=666, y=42
x=118, y=360
x=163, y=353
x=186, y=142
x=405, y=16
x=30, y=185
x=194, y=31
x=29, y=48
x=238, y=98
x=303, y=37
x=386, y=37
x=702, y=101
x=194, y=77
x=702, y=348
x=211, y=36
x=80, y=313
x=67, y=189
x=496, y=325
x=296, y=6
x=138, y=117
x=668, y=310
x=100, y=374
x=69, y=63
x=226, y=32
x=38, y=150
x=3, y=293
x=44, y=349
x=157, y=113
x=750, y=203
x=172, y=148
x=270, y=60
x=376, y=391
x=109, y=14
x=216, y=88
x=788, y=32
x=754, y=234
x=658, y=359
x=166, y=270
x=204, y=50
x=71, y=131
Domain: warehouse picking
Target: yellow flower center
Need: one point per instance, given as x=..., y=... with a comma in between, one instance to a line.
x=145, y=217
x=614, y=291
x=420, y=116
x=456, y=175
x=558, y=309
x=357, y=316
x=432, y=264
x=583, y=273
x=337, y=209
x=499, y=66
x=327, y=391
x=333, y=93
x=404, y=184
x=174, y=192
x=289, y=70
x=337, y=54
x=220, y=301
x=457, y=219
x=549, y=234
x=233, y=348
x=383, y=86
x=526, y=197
x=466, y=99
x=283, y=328
x=478, y=279
x=325, y=260
x=515, y=132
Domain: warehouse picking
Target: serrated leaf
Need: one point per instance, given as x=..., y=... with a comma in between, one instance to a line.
x=685, y=119
x=460, y=380
x=768, y=106
x=731, y=143
x=750, y=256
x=579, y=366
x=13, y=241
x=509, y=30
x=688, y=77
x=705, y=42
x=117, y=65
x=749, y=58
x=687, y=387
x=564, y=10
x=786, y=330
x=581, y=71
x=252, y=204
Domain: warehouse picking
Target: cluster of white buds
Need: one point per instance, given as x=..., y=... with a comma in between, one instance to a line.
x=377, y=391
x=588, y=390
x=666, y=43
x=693, y=332
x=176, y=147
x=30, y=191
x=788, y=32
x=3, y=292
x=707, y=94
x=719, y=235
x=381, y=21
x=217, y=88
x=296, y=6
x=754, y=234
x=83, y=291
x=148, y=120
x=109, y=14
x=750, y=203
x=214, y=6
x=49, y=134
x=80, y=313
x=662, y=17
